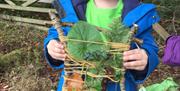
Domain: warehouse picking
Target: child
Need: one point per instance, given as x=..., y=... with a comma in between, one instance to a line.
x=101, y=13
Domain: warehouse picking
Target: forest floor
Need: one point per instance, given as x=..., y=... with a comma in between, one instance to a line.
x=22, y=64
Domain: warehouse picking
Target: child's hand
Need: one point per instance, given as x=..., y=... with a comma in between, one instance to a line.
x=56, y=50
x=136, y=59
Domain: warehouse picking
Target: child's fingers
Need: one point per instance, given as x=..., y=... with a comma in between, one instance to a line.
x=130, y=52
x=59, y=45
x=137, y=61
x=58, y=50
x=140, y=68
x=59, y=56
x=137, y=56
x=133, y=64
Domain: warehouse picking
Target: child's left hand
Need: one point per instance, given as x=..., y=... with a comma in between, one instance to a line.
x=136, y=59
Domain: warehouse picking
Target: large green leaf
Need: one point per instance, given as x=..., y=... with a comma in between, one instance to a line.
x=84, y=32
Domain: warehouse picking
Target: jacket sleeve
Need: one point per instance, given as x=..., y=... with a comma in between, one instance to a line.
x=56, y=64
x=149, y=45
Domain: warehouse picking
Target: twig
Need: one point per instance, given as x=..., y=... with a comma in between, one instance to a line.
x=174, y=27
x=167, y=21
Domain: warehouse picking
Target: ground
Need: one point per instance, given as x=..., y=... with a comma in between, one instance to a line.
x=22, y=64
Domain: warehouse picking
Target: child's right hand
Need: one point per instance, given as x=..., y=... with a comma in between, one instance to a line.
x=56, y=50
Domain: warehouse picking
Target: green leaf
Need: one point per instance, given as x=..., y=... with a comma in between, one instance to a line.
x=93, y=83
x=84, y=32
x=120, y=33
x=166, y=85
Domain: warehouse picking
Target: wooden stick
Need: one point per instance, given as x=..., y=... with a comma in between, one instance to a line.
x=161, y=31
x=26, y=20
x=33, y=9
x=10, y=2
x=57, y=25
x=29, y=2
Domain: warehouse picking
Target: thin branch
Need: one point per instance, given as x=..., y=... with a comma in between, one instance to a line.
x=173, y=19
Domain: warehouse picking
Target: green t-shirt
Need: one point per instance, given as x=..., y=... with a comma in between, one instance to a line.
x=100, y=16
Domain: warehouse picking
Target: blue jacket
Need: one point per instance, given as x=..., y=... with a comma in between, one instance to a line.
x=133, y=12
